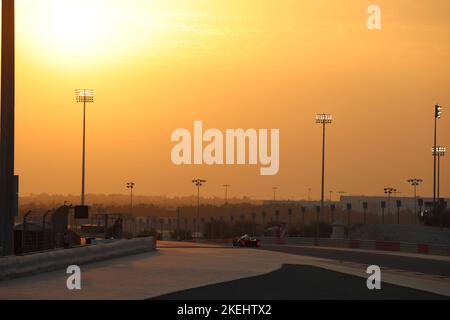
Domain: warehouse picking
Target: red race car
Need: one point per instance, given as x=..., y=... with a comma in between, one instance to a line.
x=246, y=241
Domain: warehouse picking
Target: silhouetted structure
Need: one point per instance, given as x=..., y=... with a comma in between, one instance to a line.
x=7, y=127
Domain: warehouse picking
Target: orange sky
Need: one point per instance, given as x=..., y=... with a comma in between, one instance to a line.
x=157, y=66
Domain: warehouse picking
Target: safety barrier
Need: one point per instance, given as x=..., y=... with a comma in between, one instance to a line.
x=436, y=249
x=442, y=250
x=387, y=245
x=17, y=266
x=395, y=246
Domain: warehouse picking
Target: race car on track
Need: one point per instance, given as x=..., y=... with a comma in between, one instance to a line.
x=246, y=241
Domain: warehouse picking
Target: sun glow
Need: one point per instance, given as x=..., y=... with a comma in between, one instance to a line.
x=73, y=29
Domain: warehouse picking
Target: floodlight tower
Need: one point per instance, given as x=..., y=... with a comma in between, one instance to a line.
x=198, y=183
x=323, y=119
x=130, y=185
x=7, y=193
x=415, y=182
x=84, y=96
x=437, y=116
x=439, y=152
x=389, y=191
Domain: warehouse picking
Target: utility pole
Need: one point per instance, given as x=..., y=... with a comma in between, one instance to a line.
x=303, y=210
x=7, y=127
x=198, y=183
x=415, y=182
x=130, y=185
x=275, y=193
x=389, y=191
x=365, y=207
x=226, y=186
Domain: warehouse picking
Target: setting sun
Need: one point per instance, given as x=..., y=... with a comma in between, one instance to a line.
x=69, y=29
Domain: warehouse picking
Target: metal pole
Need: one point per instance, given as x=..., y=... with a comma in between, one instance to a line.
x=84, y=153
x=43, y=229
x=332, y=215
x=441, y=222
x=303, y=223
x=131, y=201
x=438, y=178
x=323, y=168
x=106, y=225
x=198, y=210
x=178, y=224
x=24, y=231
x=226, y=194
x=389, y=204
x=434, y=160
x=415, y=204
x=316, y=242
x=253, y=224
x=7, y=127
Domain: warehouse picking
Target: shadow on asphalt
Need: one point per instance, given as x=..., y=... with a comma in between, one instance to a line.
x=299, y=282
x=414, y=264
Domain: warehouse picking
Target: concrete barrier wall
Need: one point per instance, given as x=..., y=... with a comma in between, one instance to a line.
x=441, y=250
x=18, y=266
x=438, y=249
x=362, y=244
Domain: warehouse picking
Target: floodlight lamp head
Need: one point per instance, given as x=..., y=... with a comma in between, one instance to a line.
x=324, y=118
x=439, y=151
x=84, y=95
x=437, y=111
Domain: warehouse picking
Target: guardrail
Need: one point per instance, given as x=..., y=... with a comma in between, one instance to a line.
x=18, y=266
x=436, y=249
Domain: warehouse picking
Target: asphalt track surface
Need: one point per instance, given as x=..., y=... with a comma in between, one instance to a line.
x=299, y=282
x=387, y=261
